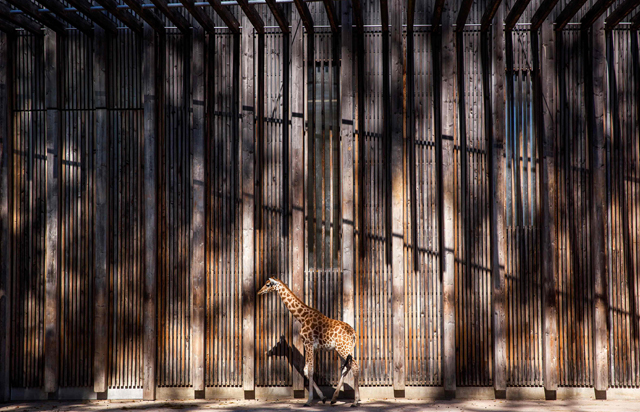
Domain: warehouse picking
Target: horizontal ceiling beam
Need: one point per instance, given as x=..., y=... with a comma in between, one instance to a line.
x=7, y=28
x=46, y=19
x=542, y=13
x=594, y=13
x=123, y=15
x=252, y=15
x=225, y=14
x=70, y=17
x=200, y=16
x=20, y=20
x=463, y=14
x=515, y=13
x=148, y=15
x=278, y=14
x=567, y=13
x=305, y=15
x=620, y=13
x=330, y=6
x=174, y=15
x=98, y=17
x=488, y=15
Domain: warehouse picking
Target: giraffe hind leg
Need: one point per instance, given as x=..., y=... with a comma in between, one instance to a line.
x=343, y=373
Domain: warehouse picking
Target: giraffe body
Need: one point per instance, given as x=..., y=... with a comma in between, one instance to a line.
x=319, y=332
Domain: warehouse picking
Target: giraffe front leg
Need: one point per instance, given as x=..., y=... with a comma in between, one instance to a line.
x=308, y=371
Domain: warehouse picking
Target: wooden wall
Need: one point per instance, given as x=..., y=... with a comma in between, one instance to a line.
x=323, y=282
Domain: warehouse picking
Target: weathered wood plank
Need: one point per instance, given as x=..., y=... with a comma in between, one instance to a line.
x=498, y=188
x=347, y=165
x=20, y=20
x=447, y=68
x=101, y=227
x=545, y=8
x=150, y=167
x=248, y=149
x=545, y=107
x=51, y=319
x=488, y=15
x=297, y=177
x=197, y=249
x=397, y=194
x=6, y=244
x=463, y=14
x=596, y=98
x=594, y=13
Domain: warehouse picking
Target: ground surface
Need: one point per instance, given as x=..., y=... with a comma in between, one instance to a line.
x=380, y=405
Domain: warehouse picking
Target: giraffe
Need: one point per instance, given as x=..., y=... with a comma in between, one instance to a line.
x=319, y=333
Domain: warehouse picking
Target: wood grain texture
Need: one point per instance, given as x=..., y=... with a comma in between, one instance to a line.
x=6, y=244
x=599, y=135
x=52, y=297
x=150, y=101
x=547, y=114
x=197, y=249
x=448, y=211
x=298, y=134
x=101, y=227
x=397, y=194
x=248, y=150
x=498, y=229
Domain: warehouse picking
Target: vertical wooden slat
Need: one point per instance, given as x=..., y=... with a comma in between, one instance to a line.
x=248, y=207
x=596, y=96
x=297, y=178
x=6, y=244
x=545, y=93
x=397, y=194
x=447, y=68
x=101, y=229
x=52, y=297
x=150, y=168
x=346, y=163
x=197, y=269
x=498, y=229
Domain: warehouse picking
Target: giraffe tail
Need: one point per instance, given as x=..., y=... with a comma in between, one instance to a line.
x=347, y=362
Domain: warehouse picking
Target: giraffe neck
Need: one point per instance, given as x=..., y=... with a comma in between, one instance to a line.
x=297, y=308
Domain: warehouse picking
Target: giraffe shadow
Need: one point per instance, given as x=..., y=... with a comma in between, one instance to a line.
x=282, y=349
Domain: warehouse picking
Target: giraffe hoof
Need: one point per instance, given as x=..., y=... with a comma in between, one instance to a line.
x=333, y=402
x=307, y=404
x=324, y=400
x=355, y=404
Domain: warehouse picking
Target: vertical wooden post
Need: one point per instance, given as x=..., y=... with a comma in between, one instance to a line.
x=149, y=72
x=248, y=146
x=197, y=212
x=297, y=177
x=5, y=213
x=447, y=214
x=346, y=164
x=598, y=134
x=101, y=228
x=545, y=95
x=51, y=361
x=397, y=193
x=498, y=229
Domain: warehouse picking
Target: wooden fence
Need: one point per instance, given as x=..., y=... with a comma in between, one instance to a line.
x=497, y=208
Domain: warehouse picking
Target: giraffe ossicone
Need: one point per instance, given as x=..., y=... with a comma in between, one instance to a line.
x=319, y=332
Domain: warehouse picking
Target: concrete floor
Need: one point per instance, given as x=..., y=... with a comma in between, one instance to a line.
x=369, y=405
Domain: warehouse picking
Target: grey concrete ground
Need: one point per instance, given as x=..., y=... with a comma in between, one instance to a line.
x=368, y=406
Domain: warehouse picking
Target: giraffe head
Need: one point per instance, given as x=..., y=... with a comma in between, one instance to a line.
x=272, y=285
